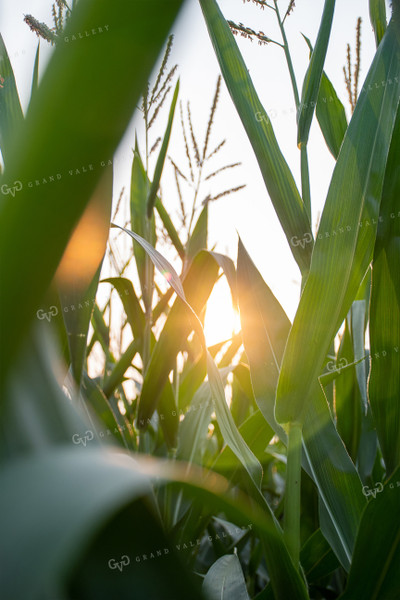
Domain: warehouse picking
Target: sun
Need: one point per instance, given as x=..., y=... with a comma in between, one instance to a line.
x=221, y=320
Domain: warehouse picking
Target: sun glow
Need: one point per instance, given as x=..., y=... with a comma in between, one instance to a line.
x=221, y=320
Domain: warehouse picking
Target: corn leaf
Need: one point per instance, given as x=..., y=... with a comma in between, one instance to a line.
x=145, y=227
x=131, y=304
x=64, y=119
x=11, y=116
x=275, y=171
x=74, y=491
x=213, y=494
x=336, y=478
x=265, y=328
x=375, y=569
x=35, y=76
x=377, y=15
x=160, y=357
x=384, y=381
x=198, y=239
x=116, y=377
x=346, y=235
x=348, y=401
x=330, y=113
x=312, y=80
x=162, y=154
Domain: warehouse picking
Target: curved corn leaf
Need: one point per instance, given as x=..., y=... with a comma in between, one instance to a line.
x=225, y=580
x=274, y=168
x=313, y=76
x=73, y=492
x=384, y=381
x=64, y=119
x=159, y=358
x=330, y=113
x=377, y=15
x=11, y=116
x=151, y=199
x=374, y=571
x=346, y=235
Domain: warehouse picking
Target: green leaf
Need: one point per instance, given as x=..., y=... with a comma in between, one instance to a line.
x=313, y=76
x=374, y=571
x=194, y=427
x=64, y=119
x=11, y=116
x=117, y=375
x=317, y=558
x=330, y=113
x=79, y=272
x=377, y=15
x=336, y=478
x=160, y=359
x=256, y=433
x=348, y=401
x=198, y=239
x=346, y=235
x=265, y=328
x=145, y=227
x=151, y=199
x=73, y=493
x=225, y=580
x=131, y=304
x=275, y=171
x=35, y=76
x=384, y=381
x=213, y=495
x=95, y=399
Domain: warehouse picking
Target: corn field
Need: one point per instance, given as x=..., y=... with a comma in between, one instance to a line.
x=137, y=461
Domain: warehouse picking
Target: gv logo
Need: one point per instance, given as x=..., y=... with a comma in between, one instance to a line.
x=77, y=439
x=114, y=564
x=306, y=239
x=53, y=311
x=17, y=187
x=368, y=492
x=332, y=366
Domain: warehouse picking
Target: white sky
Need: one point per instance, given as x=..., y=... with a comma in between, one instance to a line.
x=249, y=212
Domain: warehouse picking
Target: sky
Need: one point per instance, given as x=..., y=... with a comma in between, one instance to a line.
x=249, y=212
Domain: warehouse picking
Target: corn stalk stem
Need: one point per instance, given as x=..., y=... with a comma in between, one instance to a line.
x=305, y=180
x=292, y=493
x=288, y=56
x=305, y=176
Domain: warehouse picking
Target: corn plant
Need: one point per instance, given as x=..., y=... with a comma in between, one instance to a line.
x=144, y=481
